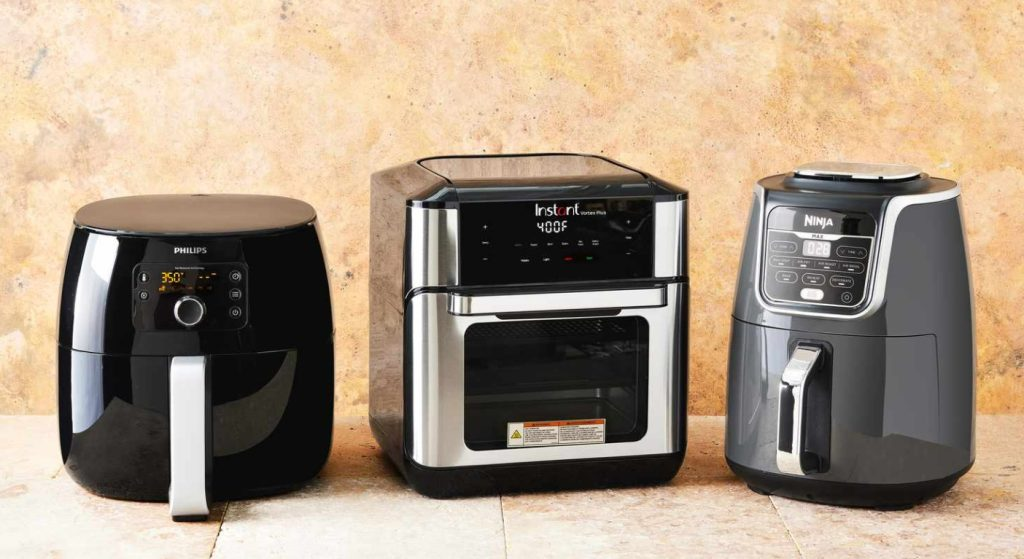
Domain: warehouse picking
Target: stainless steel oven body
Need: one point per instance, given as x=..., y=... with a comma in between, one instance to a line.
x=439, y=323
x=540, y=337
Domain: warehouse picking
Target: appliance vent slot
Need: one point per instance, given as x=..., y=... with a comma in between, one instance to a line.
x=548, y=328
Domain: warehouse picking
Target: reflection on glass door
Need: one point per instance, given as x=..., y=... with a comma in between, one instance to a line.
x=559, y=369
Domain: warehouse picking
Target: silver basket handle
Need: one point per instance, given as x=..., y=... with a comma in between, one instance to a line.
x=792, y=409
x=189, y=445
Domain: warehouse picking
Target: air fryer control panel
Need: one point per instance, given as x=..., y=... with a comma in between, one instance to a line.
x=589, y=239
x=193, y=296
x=817, y=256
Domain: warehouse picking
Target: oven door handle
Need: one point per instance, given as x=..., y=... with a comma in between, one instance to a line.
x=469, y=305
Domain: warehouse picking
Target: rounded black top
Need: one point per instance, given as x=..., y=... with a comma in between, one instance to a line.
x=194, y=214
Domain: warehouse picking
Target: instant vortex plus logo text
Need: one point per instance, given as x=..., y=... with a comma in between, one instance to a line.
x=564, y=210
x=557, y=210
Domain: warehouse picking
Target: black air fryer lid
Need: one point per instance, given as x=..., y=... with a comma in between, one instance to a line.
x=538, y=176
x=195, y=214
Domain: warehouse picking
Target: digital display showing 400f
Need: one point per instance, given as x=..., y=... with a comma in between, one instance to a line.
x=553, y=226
x=536, y=241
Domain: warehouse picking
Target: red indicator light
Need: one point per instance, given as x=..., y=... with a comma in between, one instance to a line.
x=568, y=259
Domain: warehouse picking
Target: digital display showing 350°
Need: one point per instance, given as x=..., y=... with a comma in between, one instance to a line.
x=187, y=281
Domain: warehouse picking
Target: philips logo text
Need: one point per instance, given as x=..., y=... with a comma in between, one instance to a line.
x=189, y=250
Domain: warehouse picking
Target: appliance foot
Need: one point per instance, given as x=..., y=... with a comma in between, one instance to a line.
x=901, y=506
x=759, y=490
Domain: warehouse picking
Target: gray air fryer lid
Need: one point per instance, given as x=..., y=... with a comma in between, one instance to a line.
x=867, y=178
x=883, y=172
x=195, y=214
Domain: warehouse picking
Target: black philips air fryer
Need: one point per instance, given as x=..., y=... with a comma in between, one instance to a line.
x=195, y=349
x=852, y=364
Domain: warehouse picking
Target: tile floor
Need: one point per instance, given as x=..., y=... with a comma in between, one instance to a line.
x=359, y=507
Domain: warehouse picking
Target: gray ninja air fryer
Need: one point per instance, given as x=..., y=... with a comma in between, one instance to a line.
x=851, y=364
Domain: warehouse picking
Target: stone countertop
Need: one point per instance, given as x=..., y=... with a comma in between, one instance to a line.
x=360, y=507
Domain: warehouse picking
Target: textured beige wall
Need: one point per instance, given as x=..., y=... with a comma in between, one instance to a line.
x=308, y=99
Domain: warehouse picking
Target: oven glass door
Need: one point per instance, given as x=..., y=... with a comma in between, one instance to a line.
x=555, y=370
x=534, y=377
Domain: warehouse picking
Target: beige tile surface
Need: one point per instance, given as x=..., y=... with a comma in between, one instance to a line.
x=361, y=517
x=690, y=517
x=29, y=446
x=360, y=507
x=703, y=512
x=57, y=518
x=982, y=516
x=44, y=513
x=999, y=445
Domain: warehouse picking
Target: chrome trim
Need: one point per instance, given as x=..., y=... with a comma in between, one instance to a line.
x=890, y=215
x=858, y=171
x=469, y=305
x=432, y=247
x=879, y=266
x=436, y=357
x=669, y=239
x=794, y=378
x=187, y=493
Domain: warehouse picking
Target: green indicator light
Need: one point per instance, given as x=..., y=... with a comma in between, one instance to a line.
x=590, y=258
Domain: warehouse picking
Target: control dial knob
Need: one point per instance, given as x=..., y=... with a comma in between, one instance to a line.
x=189, y=311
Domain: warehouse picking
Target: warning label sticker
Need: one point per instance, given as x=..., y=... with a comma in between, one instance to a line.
x=551, y=433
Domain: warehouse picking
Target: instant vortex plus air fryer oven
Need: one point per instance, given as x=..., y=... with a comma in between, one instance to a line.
x=851, y=366
x=528, y=323
x=195, y=349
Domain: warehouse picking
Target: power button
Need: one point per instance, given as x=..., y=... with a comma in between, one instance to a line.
x=809, y=294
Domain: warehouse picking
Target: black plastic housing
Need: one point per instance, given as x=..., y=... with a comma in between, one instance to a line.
x=271, y=379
